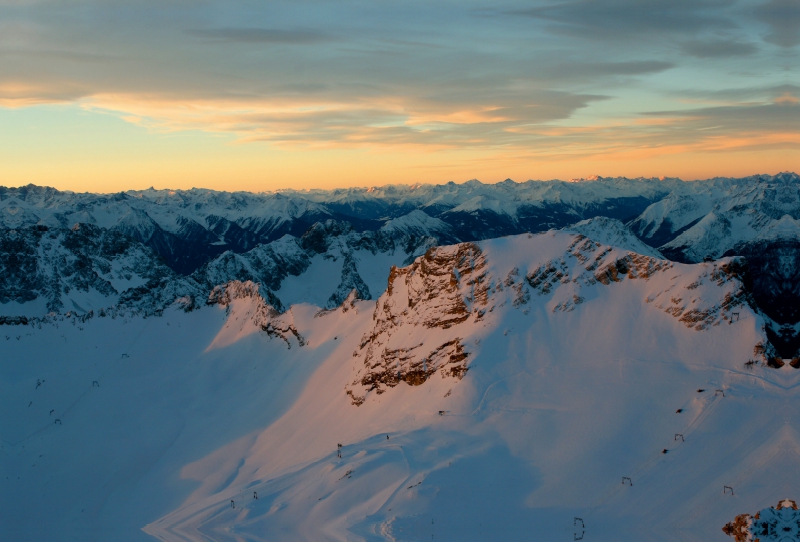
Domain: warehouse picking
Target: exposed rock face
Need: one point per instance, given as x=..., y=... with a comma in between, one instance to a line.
x=272, y=263
x=351, y=283
x=266, y=264
x=440, y=290
x=85, y=268
x=429, y=306
x=604, y=265
x=772, y=276
x=265, y=315
x=188, y=228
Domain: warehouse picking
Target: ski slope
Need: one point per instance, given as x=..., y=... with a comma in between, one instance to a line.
x=577, y=356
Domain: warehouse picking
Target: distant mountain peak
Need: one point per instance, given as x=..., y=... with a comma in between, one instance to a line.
x=784, y=228
x=610, y=231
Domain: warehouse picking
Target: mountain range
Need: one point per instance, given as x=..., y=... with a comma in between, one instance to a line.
x=400, y=378
x=492, y=389
x=141, y=250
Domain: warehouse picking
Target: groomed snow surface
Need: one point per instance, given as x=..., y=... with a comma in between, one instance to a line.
x=169, y=426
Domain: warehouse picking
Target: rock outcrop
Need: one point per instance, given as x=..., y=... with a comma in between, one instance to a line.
x=429, y=307
x=415, y=330
x=262, y=311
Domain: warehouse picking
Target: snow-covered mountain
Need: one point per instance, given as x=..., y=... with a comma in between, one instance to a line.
x=687, y=220
x=190, y=227
x=709, y=218
x=368, y=365
x=610, y=231
x=211, y=237
x=754, y=217
x=284, y=241
x=186, y=228
x=81, y=269
x=87, y=268
x=494, y=390
x=325, y=264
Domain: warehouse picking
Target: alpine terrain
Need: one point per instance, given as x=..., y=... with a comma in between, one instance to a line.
x=604, y=359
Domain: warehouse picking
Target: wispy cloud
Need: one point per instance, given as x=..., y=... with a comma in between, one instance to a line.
x=783, y=16
x=387, y=121
x=718, y=48
x=532, y=76
x=261, y=35
x=614, y=19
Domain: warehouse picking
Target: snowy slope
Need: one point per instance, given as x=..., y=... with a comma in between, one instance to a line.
x=190, y=227
x=718, y=215
x=82, y=269
x=557, y=365
x=88, y=268
x=609, y=231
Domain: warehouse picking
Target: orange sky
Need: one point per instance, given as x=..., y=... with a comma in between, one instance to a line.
x=249, y=96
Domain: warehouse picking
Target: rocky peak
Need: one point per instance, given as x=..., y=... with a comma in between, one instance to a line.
x=430, y=308
x=77, y=268
x=318, y=236
x=258, y=303
x=430, y=298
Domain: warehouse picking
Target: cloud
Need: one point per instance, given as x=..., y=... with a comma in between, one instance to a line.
x=751, y=94
x=784, y=18
x=780, y=116
x=718, y=48
x=407, y=121
x=15, y=94
x=574, y=71
x=261, y=35
x=764, y=124
x=612, y=19
x=548, y=76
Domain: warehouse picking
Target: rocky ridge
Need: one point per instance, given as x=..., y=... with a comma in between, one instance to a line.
x=88, y=268
x=260, y=311
x=429, y=307
x=81, y=269
x=190, y=227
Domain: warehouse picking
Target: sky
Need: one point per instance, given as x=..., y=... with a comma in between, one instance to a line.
x=102, y=95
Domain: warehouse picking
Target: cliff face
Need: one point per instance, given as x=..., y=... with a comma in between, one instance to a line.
x=422, y=321
x=417, y=321
x=83, y=268
x=88, y=268
x=251, y=305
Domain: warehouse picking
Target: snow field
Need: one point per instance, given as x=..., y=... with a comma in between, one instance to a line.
x=556, y=407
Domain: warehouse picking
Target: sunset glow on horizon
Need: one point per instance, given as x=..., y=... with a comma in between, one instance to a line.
x=101, y=96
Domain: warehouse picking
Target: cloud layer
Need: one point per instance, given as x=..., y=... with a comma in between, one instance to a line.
x=548, y=78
